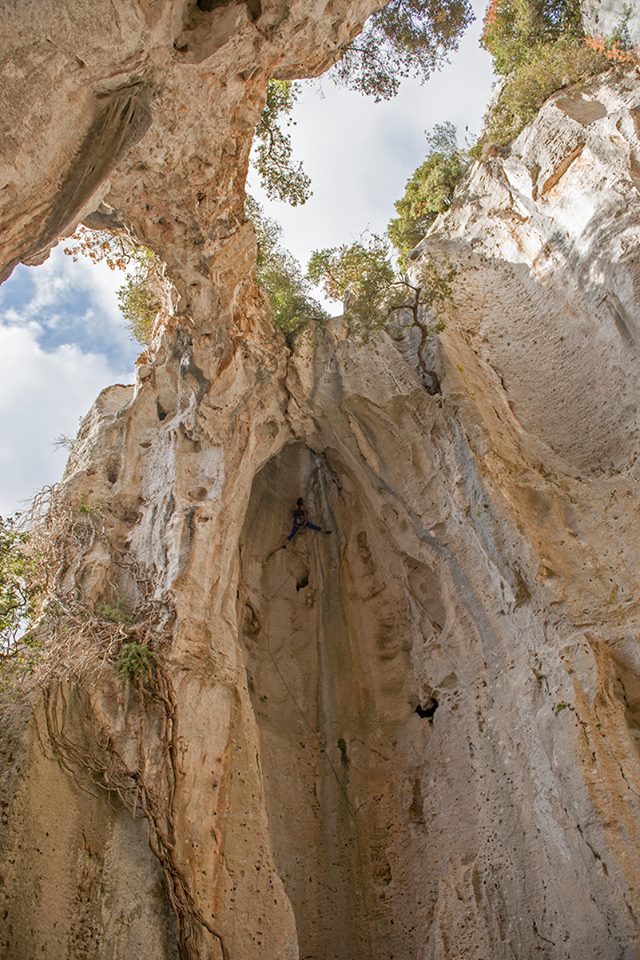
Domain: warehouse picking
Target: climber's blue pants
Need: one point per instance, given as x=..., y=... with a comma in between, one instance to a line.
x=307, y=523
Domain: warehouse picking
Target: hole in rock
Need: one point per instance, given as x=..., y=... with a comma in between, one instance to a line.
x=302, y=581
x=162, y=413
x=207, y=6
x=113, y=469
x=336, y=673
x=428, y=710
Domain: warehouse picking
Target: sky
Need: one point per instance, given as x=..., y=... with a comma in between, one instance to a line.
x=360, y=154
x=62, y=338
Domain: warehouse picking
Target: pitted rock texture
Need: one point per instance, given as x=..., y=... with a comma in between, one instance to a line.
x=414, y=737
x=150, y=107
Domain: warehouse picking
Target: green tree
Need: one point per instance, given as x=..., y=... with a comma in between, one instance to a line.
x=135, y=659
x=555, y=65
x=514, y=29
x=362, y=275
x=406, y=37
x=19, y=584
x=140, y=296
x=540, y=47
x=280, y=176
x=280, y=276
x=429, y=191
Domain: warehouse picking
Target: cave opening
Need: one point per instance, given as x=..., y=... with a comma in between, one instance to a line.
x=330, y=684
x=428, y=711
x=208, y=6
x=302, y=581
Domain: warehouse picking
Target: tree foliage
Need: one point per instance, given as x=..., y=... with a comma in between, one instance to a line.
x=540, y=47
x=429, y=191
x=19, y=583
x=556, y=65
x=406, y=37
x=362, y=275
x=280, y=276
x=280, y=176
x=141, y=295
x=135, y=659
x=515, y=29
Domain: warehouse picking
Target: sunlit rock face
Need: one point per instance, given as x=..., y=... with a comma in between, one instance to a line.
x=539, y=378
x=148, y=105
x=411, y=737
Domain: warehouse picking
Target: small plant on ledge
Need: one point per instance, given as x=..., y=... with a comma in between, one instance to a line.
x=135, y=659
x=113, y=612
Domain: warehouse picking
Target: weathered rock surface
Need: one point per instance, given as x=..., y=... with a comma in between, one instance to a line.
x=603, y=18
x=414, y=737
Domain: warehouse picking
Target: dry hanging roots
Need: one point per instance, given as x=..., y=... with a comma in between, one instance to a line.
x=73, y=639
x=93, y=759
x=77, y=647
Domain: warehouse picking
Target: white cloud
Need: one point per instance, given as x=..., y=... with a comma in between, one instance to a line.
x=42, y=395
x=61, y=282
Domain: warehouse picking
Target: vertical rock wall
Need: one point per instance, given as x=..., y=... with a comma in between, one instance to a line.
x=326, y=630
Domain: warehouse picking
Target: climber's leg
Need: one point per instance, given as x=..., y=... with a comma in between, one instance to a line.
x=312, y=526
x=294, y=530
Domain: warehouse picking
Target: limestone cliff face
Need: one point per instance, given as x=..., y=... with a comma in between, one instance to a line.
x=412, y=737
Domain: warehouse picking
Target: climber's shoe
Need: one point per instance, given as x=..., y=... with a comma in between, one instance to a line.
x=327, y=531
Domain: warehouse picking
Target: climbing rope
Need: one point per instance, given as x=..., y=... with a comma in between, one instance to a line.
x=323, y=750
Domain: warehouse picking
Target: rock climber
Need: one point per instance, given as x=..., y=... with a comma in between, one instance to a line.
x=300, y=521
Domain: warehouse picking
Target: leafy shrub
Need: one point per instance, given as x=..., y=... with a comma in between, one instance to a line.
x=618, y=48
x=113, y=612
x=429, y=191
x=280, y=276
x=19, y=585
x=550, y=68
x=539, y=46
x=135, y=659
x=514, y=30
